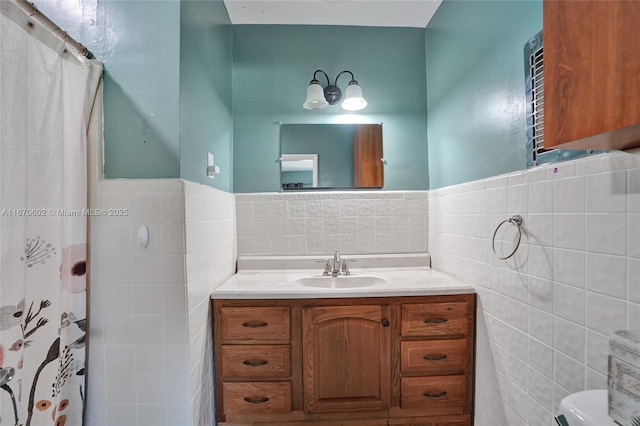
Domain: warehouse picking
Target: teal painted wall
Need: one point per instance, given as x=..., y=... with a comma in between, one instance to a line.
x=141, y=90
x=167, y=83
x=272, y=67
x=167, y=97
x=475, y=88
x=206, y=123
x=332, y=142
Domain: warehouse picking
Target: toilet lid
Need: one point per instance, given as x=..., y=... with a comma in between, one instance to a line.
x=587, y=408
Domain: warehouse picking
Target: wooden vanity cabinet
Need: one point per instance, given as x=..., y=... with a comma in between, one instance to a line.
x=359, y=361
x=591, y=69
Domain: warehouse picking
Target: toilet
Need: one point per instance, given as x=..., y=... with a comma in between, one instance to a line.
x=621, y=401
x=586, y=408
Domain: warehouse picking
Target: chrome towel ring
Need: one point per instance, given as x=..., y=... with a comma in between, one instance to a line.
x=514, y=220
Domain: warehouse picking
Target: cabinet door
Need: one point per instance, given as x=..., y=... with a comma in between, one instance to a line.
x=591, y=69
x=346, y=358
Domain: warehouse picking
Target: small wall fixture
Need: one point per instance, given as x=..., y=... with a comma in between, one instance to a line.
x=318, y=98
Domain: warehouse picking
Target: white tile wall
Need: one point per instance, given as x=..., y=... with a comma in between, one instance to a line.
x=150, y=356
x=544, y=316
x=319, y=223
x=133, y=356
x=210, y=260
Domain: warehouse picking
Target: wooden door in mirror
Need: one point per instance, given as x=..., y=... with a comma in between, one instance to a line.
x=367, y=156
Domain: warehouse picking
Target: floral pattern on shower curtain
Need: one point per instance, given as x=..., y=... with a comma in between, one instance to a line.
x=46, y=99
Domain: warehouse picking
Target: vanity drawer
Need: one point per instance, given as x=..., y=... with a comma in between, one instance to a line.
x=254, y=323
x=434, y=319
x=257, y=397
x=447, y=394
x=433, y=356
x=256, y=361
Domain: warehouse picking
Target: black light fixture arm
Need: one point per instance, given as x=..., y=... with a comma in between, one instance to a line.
x=325, y=76
x=353, y=79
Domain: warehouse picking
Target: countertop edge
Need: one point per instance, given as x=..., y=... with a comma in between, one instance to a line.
x=414, y=282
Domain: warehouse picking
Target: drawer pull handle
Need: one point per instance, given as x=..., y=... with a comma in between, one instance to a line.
x=435, y=321
x=434, y=357
x=256, y=363
x=435, y=395
x=256, y=400
x=254, y=324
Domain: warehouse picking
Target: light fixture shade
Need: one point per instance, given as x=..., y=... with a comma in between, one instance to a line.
x=315, y=97
x=353, y=100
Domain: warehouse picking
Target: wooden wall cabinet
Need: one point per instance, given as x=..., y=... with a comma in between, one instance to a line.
x=591, y=74
x=359, y=361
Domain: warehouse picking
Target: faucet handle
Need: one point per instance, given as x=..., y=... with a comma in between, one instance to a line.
x=345, y=268
x=327, y=267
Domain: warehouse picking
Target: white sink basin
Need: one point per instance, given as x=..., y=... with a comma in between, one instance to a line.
x=340, y=281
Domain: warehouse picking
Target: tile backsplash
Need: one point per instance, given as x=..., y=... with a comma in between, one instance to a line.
x=546, y=314
x=321, y=222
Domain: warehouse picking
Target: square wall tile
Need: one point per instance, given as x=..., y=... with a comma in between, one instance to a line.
x=569, y=195
x=633, y=196
x=541, y=357
x=607, y=274
x=569, y=267
x=597, y=351
x=570, y=339
x=607, y=192
x=570, y=303
x=569, y=231
x=568, y=372
x=605, y=314
x=606, y=233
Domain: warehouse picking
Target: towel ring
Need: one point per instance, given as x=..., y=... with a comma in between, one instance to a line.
x=514, y=220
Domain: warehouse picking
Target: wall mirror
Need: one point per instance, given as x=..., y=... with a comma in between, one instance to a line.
x=331, y=156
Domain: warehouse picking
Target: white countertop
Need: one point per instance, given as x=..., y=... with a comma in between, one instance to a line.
x=281, y=284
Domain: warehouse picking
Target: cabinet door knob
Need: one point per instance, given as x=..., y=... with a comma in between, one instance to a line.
x=435, y=321
x=257, y=400
x=434, y=357
x=434, y=395
x=385, y=323
x=254, y=324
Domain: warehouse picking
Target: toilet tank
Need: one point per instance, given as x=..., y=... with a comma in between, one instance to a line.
x=624, y=377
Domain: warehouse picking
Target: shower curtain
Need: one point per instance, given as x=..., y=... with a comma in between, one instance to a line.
x=46, y=98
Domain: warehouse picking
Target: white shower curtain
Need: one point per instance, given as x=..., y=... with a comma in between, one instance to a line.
x=46, y=99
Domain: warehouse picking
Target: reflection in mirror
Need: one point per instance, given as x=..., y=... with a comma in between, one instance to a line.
x=347, y=156
x=299, y=171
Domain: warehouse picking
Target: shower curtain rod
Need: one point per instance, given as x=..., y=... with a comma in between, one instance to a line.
x=32, y=11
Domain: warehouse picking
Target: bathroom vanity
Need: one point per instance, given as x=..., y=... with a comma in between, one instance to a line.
x=349, y=352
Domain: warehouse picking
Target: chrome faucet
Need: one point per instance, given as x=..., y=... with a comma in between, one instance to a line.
x=336, y=263
x=337, y=267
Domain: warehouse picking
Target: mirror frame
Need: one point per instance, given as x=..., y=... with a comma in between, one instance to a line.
x=315, y=160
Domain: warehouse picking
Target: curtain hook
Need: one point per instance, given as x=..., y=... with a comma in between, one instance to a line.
x=34, y=9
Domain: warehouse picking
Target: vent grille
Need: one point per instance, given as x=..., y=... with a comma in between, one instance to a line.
x=536, y=64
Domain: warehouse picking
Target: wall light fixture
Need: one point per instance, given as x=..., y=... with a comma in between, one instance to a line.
x=319, y=97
